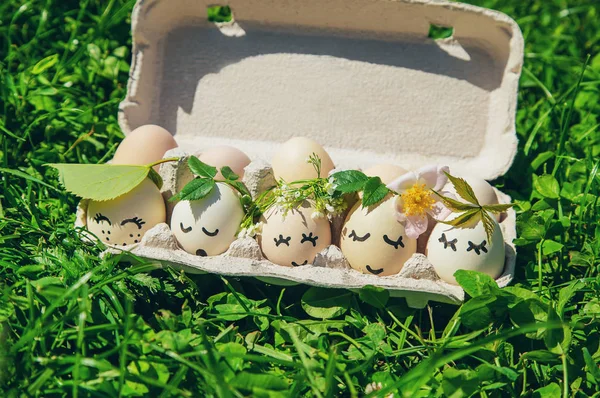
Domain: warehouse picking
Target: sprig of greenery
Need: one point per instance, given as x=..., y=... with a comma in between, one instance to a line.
x=471, y=211
x=102, y=182
x=354, y=181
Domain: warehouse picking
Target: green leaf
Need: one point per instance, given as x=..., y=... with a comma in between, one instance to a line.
x=591, y=365
x=240, y=187
x=554, y=337
x=495, y=209
x=455, y=205
x=196, y=189
x=375, y=296
x=542, y=356
x=532, y=229
x=477, y=313
x=100, y=181
x=464, y=219
x=349, y=181
x=549, y=247
x=463, y=189
x=247, y=381
x=200, y=168
x=374, y=191
x=489, y=224
x=228, y=174
x=155, y=177
x=552, y=390
x=459, y=383
x=547, y=186
x=476, y=283
x=45, y=64
x=566, y=293
x=541, y=159
x=326, y=303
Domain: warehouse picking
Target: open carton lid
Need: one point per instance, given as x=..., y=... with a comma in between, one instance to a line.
x=361, y=77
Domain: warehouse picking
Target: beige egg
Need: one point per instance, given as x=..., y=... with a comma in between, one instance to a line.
x=295, y=239
x=289, y=163
x=224, y=155
x=373, y=241
x=144, y=145
x=450, y=249
x=386, y=171
x=208, y=226
x=125, y=220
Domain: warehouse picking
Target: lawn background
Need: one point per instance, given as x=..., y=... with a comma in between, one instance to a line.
x=72, y=324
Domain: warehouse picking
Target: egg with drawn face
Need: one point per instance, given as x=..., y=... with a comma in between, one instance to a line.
x=450, y=249
x=373, y=241
x=208, y=226
x=293, y=239
x=124, y=220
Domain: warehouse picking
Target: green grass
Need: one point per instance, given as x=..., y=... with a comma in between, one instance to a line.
x=73, y=324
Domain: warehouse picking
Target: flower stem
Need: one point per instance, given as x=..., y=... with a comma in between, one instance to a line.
x=163, y=161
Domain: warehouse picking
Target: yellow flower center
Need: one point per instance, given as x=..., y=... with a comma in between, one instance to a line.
x=417, y=200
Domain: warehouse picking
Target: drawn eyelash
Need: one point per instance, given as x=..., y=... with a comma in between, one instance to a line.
x=137, y=221
x=184, y=229
x=282, y=240
x=396, y=243
x=358, y=238
x=477, y=248
x=210, y=233
x=100, y=217
x=451, y=243
x=310, y=238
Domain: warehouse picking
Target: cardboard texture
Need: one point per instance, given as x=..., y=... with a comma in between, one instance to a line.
x=361, y=77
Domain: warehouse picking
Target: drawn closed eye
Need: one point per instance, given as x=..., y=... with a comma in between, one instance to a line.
x=184, y=229
x=310, y=238
x=214, y=233
x=282, y=240
x=359, y=238
x=448, y=243
x=100, y=217
x=394, y=243
x=477, y=248
x=135, y=220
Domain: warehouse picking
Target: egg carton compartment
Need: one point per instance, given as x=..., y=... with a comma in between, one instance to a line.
x=417, y=282
x=361, y=77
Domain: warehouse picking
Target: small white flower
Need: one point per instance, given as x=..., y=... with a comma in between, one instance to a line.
x=317, y=214
x=330, y=208
x=373, y=387
x=297, y=194
x=307, y=160
x=330, y=188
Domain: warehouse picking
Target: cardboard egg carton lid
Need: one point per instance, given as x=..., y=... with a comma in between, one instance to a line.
x=361, y=77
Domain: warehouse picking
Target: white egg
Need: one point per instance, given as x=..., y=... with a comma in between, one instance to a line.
x=293, y=239
x=450, y=249
x=373, y=241
x=125, y=220
x=207, y=227
x=289, y=163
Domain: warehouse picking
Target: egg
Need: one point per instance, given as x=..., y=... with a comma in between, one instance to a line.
x=125, y=220
x=208, y=226
x=450, y=249
x=144, y=145
x=221, y=156
x=289, y=163
x=295, y=239
x=373, y=241
x=484, y=192
x=386, y=171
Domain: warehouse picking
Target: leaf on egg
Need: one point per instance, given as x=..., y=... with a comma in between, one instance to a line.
x=228, y=174
x=155, y=177
x=454, y=204
x=349, y=181
x=495, y=209
x=374, y=191
x=195, y=190
x=464, y=219
x=100, y=182
x=201, y=169
x=463, y=189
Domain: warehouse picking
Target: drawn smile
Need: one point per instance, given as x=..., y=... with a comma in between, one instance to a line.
x=201, y=252
x=295, y=264
x=374, y=271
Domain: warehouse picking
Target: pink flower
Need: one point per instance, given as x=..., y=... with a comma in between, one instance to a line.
x=416, y=199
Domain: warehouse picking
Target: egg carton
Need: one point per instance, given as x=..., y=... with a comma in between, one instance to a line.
x=361, y=77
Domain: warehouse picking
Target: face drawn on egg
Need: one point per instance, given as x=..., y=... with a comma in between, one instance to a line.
x=373, y=241
x=295, y=239
x=124, y=220
x=450, y=249
x=208, y=226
